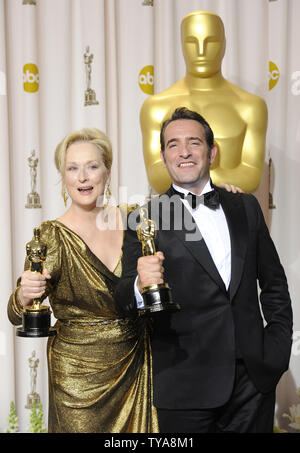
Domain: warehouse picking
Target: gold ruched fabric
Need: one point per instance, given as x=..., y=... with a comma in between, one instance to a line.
x=100, y=378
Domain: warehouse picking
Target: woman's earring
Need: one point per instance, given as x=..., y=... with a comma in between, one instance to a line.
x=65, y=197
x=107, y=193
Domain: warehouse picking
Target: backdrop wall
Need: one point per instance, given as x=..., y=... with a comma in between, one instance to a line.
x=133, y=49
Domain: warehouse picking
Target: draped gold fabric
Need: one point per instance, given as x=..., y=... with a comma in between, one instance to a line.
x=99, y=365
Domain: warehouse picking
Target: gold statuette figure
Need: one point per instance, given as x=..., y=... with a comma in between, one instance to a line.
x=89, y=95
x=146, y=233
x=33, y=396
x=156, y=297
x=36, y=318
x=238, y=118
x=33, y=198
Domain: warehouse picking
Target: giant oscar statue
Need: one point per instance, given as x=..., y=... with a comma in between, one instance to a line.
x=238, y=118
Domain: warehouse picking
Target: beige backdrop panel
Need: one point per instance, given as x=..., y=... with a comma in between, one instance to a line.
x=127, y=38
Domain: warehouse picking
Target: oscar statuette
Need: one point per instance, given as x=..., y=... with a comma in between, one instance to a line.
x=90, y=95
x=36, y=318
x=157, y=297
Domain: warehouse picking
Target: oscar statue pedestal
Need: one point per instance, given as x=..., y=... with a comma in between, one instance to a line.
x=33, y=200
x=36, y=322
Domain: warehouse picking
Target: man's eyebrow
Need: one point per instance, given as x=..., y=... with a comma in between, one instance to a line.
x=196, y=138
x=171, y=140
x=174, y=139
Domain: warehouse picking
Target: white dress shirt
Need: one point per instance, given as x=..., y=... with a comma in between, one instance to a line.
x=214, y=230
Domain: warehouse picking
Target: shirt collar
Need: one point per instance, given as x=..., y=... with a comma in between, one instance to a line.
x=206, y=188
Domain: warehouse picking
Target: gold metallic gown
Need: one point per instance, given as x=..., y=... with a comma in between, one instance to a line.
x=99, y=365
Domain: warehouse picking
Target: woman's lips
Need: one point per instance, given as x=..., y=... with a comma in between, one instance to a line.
x=85, y=190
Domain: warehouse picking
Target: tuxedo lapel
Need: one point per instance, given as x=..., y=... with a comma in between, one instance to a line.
x=188, y=233
x=238, y=229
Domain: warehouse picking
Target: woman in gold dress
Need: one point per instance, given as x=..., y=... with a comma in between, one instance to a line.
x=99, y=365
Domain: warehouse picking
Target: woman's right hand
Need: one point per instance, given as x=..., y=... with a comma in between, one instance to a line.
x=33, y=286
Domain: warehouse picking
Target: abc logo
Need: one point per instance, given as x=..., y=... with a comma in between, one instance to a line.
x=146, y=79
x=273, y=75
x=31, y=77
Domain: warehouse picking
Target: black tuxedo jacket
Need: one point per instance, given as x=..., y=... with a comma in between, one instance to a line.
x=195, y=350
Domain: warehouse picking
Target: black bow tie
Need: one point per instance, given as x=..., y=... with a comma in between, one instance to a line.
x=210, y=199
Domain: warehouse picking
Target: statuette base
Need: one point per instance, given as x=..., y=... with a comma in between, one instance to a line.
x=33, y=398
x=33, y=201
x=90, y=97
x=158, y=298
x=36, y=323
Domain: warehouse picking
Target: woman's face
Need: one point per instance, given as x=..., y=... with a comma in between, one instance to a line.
x=85, y=174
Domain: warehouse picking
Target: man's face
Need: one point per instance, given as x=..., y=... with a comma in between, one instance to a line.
x=203, y=43
x=186, y=156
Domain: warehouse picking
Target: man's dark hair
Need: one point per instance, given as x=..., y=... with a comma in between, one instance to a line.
x=182, y=113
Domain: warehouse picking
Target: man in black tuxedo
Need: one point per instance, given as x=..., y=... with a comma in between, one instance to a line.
x=217, y=361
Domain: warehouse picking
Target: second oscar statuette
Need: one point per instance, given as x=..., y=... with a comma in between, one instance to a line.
x=157, y=297
x=36, y=318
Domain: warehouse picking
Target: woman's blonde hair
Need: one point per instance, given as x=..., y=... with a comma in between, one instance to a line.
x=88, y=135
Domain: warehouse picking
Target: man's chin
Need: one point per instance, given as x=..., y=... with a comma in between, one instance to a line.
x=186, y=182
